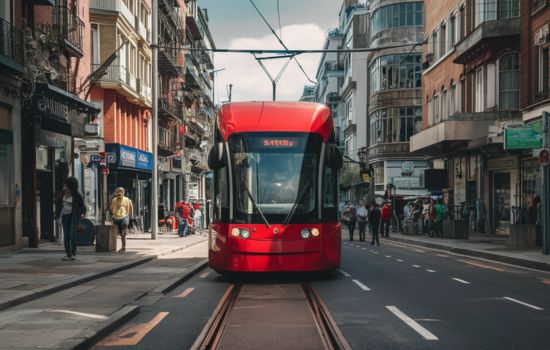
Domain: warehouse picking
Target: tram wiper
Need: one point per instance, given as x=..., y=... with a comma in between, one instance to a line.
x=243, y=184
x=286, y=221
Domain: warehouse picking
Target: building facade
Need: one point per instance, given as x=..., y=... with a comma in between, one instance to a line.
x=395, y=88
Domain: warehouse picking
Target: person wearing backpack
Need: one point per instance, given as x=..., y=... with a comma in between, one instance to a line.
x=362, y=218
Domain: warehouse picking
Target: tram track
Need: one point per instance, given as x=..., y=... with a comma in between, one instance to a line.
x=328, y=335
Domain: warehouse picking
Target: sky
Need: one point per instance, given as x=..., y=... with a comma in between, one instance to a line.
x=235, y=24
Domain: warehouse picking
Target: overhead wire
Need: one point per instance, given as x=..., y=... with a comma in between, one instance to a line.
x=279, y=16
x=281, y=41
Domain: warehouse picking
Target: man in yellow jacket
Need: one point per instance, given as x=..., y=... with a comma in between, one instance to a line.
x=122, y=210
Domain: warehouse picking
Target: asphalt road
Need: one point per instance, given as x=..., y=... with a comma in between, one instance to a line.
x=394, y=296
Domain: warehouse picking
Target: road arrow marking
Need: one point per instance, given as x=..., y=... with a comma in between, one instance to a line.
x=412, y=323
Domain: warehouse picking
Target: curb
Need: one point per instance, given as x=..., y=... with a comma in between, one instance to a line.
x=169, y=285
x=74, y=281
x=94, y=334
x=478, y=254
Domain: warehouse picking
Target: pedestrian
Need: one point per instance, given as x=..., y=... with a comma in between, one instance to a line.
x=122, y=210
x=197, y=216
x=385, y=220
x=374, y=220
x=534, y=217
x=349, y=217
x=69, y=208
x=426, y=216
x=439, y=217
x=362, y=218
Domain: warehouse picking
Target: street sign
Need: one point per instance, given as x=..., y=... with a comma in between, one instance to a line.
x=96, y=157
x=544, y=157
x=521, y=138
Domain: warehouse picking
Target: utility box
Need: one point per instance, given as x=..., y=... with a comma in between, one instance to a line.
x=106, y=238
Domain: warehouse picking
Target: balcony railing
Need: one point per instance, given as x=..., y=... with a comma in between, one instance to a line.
x=167, y=139
x=71, y=29
x=11, y=46
x=118, y=74
x=142, y=30
x=170, y=106
x=115, y=6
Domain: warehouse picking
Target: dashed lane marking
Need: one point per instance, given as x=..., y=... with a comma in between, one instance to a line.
x=524, y=303
x=431, y=271
x=426, y=334
x=374, y=252
x=358, y=246
x=364, y=248
x=204, y=274
x=461, y=281
x=132, y=335
x=479, y=264
x=344, y=273
x=399, y=260
x=416, y=266
x=185, y=293
x=361, y=285
x=387, y=256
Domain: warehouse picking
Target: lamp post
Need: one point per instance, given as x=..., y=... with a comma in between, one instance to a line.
x=154, y=180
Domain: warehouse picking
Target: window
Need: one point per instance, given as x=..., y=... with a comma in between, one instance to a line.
x=221, y=190
x=452, y=32
x=437, y=109
x=396, y=72
x=442, y=40
x=452, y=102
x=444, y=106
x=330, y=190
x=478, y=91
x=543, y=71
x=485, y=10
x=430, y=112
x=407, y=14
x=435, y=46
x=508, y=82
x=395, y=124
x=6, y=156
x=95, y=44
x=537, y=4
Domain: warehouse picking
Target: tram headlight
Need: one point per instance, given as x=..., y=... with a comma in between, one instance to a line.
x=245, y=233
x=305, y=233
x=235, y=232
x=315, y=232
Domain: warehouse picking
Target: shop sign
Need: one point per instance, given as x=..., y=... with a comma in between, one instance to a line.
x=52, y=108
x=127, y=157
x=522, y=138
x=144, y=160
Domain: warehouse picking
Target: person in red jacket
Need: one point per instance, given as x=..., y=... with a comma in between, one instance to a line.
x=385, y=220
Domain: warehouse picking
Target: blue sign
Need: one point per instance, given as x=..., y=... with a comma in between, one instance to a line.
x=130, y=157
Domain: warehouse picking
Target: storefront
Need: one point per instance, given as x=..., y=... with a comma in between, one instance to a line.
x=132, y=171
x=51, y=121
x=504, y=192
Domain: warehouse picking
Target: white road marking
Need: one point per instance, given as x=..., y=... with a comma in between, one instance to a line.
x=524, y=304
x=361, y=285
x=364, y=248
x=399, y=260
x=432, y=271
x=83, y=314
x=374, y=252
x=412, y=323
x=417, y=266
x=387, y=256
x=461, y=281
x=344, y=273
x=358, y=246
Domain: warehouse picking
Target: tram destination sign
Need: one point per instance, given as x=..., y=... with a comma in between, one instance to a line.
x=522, y=138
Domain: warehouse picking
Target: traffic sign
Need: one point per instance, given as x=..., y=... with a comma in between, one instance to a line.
x=544, y=157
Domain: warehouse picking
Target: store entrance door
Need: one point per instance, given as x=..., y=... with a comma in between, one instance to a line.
x=501, y=203
x=141, y=204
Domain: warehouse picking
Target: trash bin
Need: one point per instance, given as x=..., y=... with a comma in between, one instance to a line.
x=106, y=238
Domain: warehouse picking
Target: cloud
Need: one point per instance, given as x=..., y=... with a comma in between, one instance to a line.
x=250, y=82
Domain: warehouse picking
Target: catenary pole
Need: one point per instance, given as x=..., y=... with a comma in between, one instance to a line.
x=154, y=180
x=545, y=196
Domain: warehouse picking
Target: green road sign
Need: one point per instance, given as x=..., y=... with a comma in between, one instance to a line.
x=522, y=138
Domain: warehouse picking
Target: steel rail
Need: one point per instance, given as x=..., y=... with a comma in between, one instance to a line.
x=332, y=336
x=210, y=336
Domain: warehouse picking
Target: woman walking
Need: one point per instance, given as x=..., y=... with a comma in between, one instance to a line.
x=362, y=217
x=69, y=208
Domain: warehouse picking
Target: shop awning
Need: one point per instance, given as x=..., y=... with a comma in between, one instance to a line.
x=66, y=98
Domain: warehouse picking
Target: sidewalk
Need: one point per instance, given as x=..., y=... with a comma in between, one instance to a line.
x=487, y=246
x=32, y=273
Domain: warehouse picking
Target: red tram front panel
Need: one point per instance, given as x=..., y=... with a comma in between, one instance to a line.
x=267, y=251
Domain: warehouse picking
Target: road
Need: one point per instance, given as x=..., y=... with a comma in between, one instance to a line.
x=392, y=296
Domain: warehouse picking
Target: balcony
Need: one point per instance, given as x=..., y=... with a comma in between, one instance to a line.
x=71, y=29
x=116, y=74
x=486, y=36
x=170, y=107
x=144, y=34
x=168, y=62
x=144, y=91
x=197, y=158
x=167, y=141
x=110, y=6
x=11, y=47
x=381, y=151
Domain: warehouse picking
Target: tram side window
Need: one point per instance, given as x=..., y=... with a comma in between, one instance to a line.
x=222, y=193
x=329, y=189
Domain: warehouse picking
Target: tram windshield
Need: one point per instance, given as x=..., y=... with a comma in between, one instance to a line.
x=275, y=172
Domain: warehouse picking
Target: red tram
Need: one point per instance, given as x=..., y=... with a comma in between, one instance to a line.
x=275, y=186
